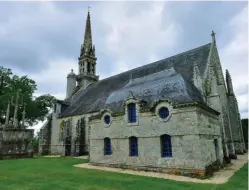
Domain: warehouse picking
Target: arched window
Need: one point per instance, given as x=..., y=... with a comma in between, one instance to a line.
x=107, y=146
x=88, y=67
x=166, y=148
x=132, y=113
x=163, y=112
x=61, y=130
x=133, y=146
x=93, y=69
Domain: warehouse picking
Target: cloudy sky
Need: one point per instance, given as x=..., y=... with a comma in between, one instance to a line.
x=42, y=39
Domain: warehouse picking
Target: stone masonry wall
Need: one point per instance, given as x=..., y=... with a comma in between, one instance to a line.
x=189, y=148
x=235, y=125
x=57, y=146
x=16, y=143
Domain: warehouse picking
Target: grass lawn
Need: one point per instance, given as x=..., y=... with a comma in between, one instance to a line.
x=59, y=173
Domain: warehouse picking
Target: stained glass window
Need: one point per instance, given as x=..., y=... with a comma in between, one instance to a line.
x=133, y=146
x=163, y=112
x=166, y=148
x=107, y=119
x=132, y=113
x=107, y=146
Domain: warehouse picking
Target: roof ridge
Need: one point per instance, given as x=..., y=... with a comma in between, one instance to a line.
x=184, y=52
x=154, y=62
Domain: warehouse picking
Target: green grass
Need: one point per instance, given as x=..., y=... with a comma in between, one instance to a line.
x=59, y=173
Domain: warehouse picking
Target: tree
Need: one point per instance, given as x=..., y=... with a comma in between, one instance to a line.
x=36, y=107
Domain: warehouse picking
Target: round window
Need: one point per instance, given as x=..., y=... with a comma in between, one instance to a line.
x=163, y=112
x=107, y=119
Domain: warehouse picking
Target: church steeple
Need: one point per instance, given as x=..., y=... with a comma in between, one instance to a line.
x=87, y=59
x=88, y=32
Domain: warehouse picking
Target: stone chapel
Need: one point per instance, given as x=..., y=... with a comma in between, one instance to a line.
x=176, y=113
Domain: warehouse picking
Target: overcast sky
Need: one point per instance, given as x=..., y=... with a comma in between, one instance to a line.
x=42, y=39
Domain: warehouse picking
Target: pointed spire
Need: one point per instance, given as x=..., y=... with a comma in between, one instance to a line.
x=229, y=83
x=213, y=37
x=197, y=77
x=88, y=33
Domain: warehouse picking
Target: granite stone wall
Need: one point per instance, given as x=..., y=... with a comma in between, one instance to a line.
x=192, y=132
x=16, y=143
x=57, y=146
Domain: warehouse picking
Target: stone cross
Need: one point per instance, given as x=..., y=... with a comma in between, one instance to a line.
x=17, y=104
x=7, y=114
x=213, y=36
x=23, y=115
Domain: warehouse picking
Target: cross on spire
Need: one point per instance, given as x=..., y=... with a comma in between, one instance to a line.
x=213, y=36
x=89, y=8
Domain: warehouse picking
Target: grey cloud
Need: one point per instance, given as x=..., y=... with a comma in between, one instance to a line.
x=198, y=19
x=242, y=90
x=32, y=40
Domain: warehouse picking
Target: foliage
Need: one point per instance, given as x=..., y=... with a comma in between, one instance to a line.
x=59, y=173
x=35, y=144
x=36, y=107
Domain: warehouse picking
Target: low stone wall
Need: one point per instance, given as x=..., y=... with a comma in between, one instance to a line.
x=16, y=143
x=176, y=171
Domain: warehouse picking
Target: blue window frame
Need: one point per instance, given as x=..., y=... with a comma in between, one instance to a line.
x=107, y=146
x=132, y=113
x=163, y=112
x=133, y=146
x=107, y=119
x=166, y=148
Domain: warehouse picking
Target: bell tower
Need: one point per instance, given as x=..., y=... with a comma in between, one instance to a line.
x=87, y=58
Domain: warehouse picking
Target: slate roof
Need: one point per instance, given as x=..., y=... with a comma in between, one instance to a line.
x=175, y=85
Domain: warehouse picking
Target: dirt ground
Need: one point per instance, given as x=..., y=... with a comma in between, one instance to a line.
x=219, y=177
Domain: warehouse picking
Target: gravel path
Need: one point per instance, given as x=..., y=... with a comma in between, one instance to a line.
x=82, y=157
x=52, y=156
x=219, y=177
